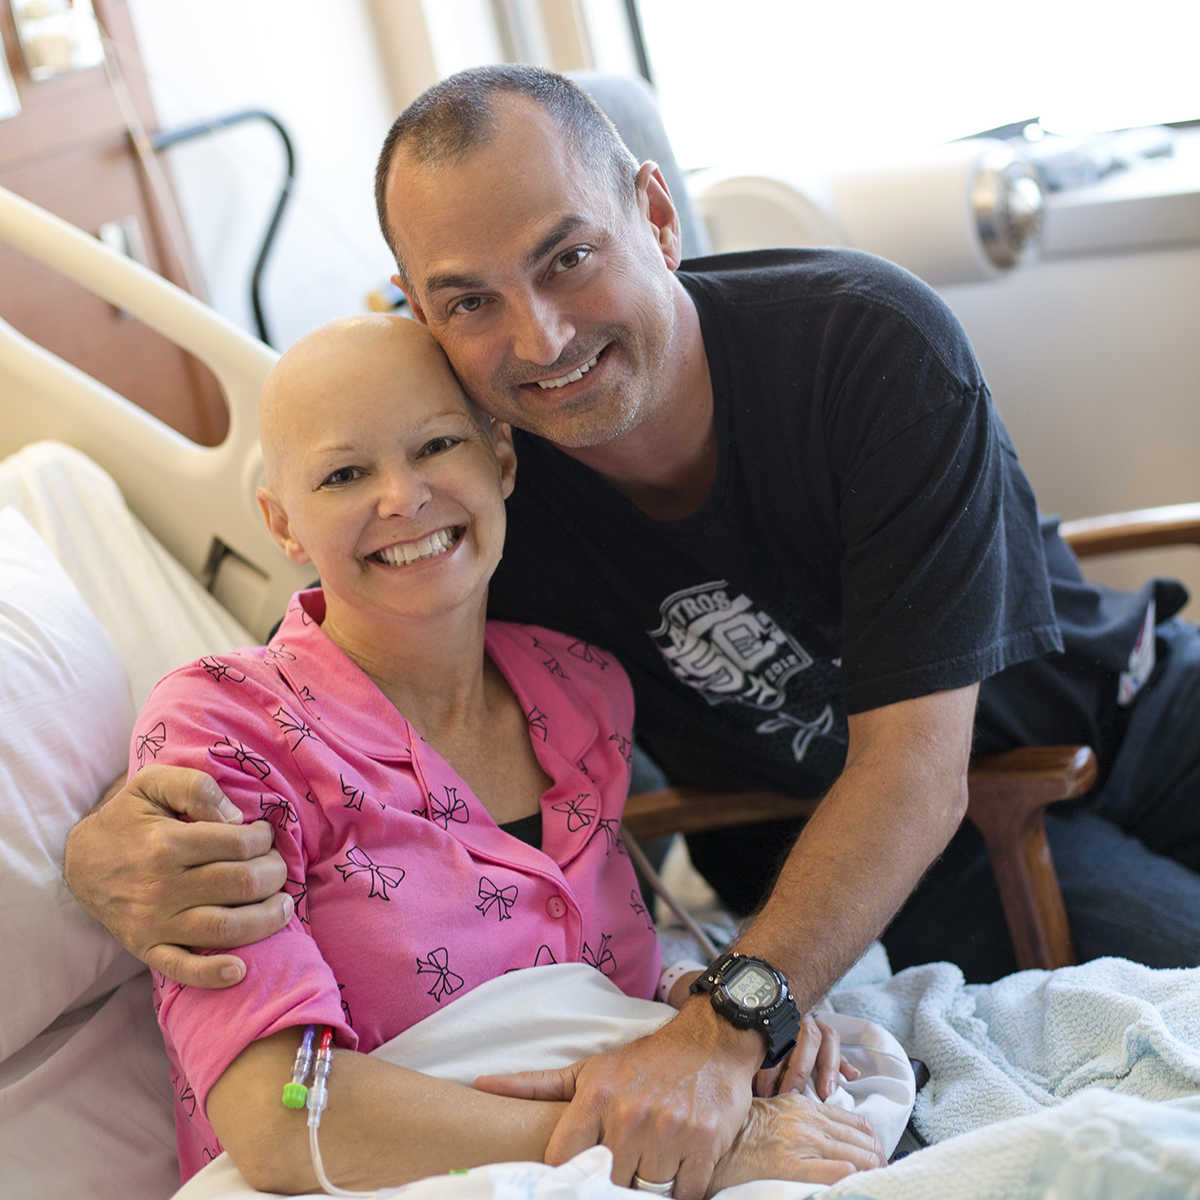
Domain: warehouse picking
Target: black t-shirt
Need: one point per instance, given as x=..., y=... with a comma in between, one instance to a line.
x=869, y=537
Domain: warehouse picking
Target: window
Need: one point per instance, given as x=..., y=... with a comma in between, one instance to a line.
x=787, y=83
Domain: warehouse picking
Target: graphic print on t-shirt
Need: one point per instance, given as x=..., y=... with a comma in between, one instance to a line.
x=731, y=651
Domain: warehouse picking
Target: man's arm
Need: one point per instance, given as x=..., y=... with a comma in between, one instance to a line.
x=896, y=804
x=162, y=885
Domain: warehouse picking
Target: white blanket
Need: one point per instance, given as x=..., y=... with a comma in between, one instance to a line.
x=549, y=1017
x=1078, y=1082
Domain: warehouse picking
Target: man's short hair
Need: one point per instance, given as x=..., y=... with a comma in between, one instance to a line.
x=453, y=117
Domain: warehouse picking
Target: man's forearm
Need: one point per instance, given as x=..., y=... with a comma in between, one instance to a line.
x=889, y=815
x=845, y=878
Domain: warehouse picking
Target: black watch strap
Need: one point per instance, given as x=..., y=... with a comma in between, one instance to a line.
x=779, y=1024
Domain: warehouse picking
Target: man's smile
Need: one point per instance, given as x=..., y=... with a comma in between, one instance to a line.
x=578, y=373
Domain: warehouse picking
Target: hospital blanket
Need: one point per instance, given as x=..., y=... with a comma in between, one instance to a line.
x=1081, y=1081
x=551, y=1016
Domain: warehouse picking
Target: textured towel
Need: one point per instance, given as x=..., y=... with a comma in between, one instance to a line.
x=1033, y=1039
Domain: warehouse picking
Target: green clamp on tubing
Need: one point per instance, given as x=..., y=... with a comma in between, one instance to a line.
x=294, y=1095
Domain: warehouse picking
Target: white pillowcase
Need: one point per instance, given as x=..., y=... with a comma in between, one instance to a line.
x=93, y=611
x=156, y=613
x=65, y=719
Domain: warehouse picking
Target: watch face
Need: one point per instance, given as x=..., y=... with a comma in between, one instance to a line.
x=749, y=985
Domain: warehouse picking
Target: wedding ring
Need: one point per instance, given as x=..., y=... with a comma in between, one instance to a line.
x=659, y=1189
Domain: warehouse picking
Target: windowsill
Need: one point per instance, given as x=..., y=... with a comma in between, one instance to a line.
x=1153, y=204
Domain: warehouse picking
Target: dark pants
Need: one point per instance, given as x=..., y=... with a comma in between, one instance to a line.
x=1127, y=857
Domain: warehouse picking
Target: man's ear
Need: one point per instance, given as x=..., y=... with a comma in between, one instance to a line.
x=410, y=296
x=656, y=206
x=279, y=526
x=506, y=456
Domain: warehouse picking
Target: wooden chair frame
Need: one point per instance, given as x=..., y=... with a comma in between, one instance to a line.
x=1007, y=793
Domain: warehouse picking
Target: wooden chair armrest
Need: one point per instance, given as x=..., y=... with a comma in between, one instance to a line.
x=1028, y=779
x=1008, y=794
x=1007, y=798
x=692, y=810
x=1142, y=529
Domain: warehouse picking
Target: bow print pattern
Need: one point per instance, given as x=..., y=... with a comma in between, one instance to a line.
x=635, y=902
x=451, y=809
x=577, y=816
x=291, y=725
x=538, y=722
x=587, y=653
x=306, y=697
x=280, y=652
x=150, y=742
x=549, y=661
x=279, y=812
x=501, y=899
x=624, y=746
x=231, y=750
x=354, y=795
x=610, y=827
x=221, y=671
x=298, y=890
x=602, y=957
x=382, y=878
x=447, y=981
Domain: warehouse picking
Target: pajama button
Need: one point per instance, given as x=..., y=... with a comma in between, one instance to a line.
x=556, y=906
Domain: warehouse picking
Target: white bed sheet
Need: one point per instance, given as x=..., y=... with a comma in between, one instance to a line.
x=1078, y=1082
x=549, y=1017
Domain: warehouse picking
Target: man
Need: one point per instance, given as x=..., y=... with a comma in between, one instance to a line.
x=775, y=487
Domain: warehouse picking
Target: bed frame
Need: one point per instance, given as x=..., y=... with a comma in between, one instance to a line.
x=199, y=501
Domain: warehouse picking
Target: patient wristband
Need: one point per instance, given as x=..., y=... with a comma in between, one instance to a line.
x=666, y=981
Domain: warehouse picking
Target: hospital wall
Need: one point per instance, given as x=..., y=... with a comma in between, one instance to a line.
x=1093, y=359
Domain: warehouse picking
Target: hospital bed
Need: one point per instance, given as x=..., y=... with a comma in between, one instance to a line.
x=125, y=550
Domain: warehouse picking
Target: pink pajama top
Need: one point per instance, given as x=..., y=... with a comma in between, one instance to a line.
x=407, y=893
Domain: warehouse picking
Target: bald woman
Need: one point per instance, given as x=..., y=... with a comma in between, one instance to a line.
x=444, y=791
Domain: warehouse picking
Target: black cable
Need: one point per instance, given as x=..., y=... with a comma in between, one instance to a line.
x=184, y=133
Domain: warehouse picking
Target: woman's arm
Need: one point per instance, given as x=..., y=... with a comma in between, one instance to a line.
x=384, y=1125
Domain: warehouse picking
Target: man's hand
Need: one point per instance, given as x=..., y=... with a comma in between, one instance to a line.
x=668, y=1105
x=162, y=885
x=793, y=1137
x=817, y=1055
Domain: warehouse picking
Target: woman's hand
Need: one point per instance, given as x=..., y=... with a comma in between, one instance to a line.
x=795, y=1138
x=816, y=1056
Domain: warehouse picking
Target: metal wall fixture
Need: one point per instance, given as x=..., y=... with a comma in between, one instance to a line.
x=1009, y=207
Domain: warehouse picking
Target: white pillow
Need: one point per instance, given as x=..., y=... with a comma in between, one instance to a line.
x=86, y=1108
x=65, y=721
x=156, y=613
